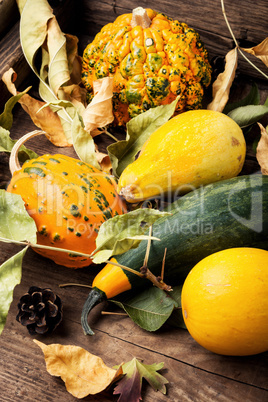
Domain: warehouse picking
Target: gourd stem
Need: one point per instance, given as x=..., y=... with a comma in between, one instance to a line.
x=14, y=163
x=140, y=18
x=95, y=297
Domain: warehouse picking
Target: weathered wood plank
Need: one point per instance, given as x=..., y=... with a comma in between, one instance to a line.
x=193, y=373
x=9, y=14
x=205, y=16
x=23, y=373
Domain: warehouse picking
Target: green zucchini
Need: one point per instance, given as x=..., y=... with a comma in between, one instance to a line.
x=226, y=214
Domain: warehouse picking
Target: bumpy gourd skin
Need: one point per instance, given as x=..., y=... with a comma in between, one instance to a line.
x=68, y=200
x=150, y=66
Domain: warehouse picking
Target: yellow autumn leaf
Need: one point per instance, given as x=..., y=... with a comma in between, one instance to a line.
x=262, y=150
x=99, y=113
x=45, y=119
x=83, y=373
x=221, y=87
x=260, y=51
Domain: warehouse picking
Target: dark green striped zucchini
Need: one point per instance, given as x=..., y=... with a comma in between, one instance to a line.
x=226, y=214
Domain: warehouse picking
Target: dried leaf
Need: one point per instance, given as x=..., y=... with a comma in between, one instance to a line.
x=99, y=113
x=45, y=119
x=260, y=51
x=60, y=64
x=129, y=387
x=262, y=150
x=6, y=118
x=83, y=373
x=104, y=160
x=221, y=87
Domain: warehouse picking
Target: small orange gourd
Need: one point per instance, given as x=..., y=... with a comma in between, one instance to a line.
x=152, y=58
x=68, y=200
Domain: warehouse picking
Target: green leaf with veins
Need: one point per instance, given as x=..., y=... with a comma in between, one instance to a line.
x=139, y=129
x=149, y=309
x=15, y=222
x=10, y=276
x=122, y=232
x=6, y=145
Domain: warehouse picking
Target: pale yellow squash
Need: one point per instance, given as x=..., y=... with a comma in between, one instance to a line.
x=190, y=150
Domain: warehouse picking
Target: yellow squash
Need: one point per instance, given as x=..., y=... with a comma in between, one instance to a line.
x=225, y=301
x=190, y=150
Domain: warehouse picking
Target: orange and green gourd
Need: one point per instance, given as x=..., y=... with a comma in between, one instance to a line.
x=152, y=59
x=68, y=200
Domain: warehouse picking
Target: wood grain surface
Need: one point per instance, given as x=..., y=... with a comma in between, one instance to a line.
x=194, y=374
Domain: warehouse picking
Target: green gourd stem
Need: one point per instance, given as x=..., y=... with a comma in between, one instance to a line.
x=14, y=163
x=94, y=298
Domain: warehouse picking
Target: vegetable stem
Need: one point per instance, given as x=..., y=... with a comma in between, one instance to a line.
x=236, y=43
x=63, y=285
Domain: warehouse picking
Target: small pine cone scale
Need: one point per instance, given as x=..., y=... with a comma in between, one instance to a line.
x=40, y=310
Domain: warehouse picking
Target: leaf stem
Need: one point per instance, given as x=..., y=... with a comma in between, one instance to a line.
x=116, y=264
x=35, y=245
x=236, y=43
x=105, y=131
x=63, y=285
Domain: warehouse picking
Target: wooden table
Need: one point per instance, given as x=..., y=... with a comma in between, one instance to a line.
x=194, y=374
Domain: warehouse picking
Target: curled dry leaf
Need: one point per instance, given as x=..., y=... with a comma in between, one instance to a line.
x=45, y=119
x=104, y=160
x=262, y=150
x=83, y=373
x=260, y=51
x=221, y=87
x=99, y=113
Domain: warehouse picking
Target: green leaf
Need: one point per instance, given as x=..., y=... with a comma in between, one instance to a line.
x=6, y=145
x=122, y=232
x=252, y=98
x=83, y=143
x=176, y=318
x=130, y=385
x=139, y=129
x=10, y=276
x=244, y=116
x=6, y=118
x=149, y=309
x=15, y=223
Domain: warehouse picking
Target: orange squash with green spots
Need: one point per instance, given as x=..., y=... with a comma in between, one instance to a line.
x=68, y=200
x=152, y=58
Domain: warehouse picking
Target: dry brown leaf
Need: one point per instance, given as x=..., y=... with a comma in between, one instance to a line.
x=45, y=119
x=221, y=87
x=83, y=373
x=99, y=113
x=260, y=51
x=262, y=150
x=104, y=160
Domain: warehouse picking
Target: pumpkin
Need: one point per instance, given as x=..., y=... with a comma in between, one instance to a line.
x=68, y=200
x=152, y=59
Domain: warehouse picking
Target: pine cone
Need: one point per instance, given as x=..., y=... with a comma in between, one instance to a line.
x=40, y=310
